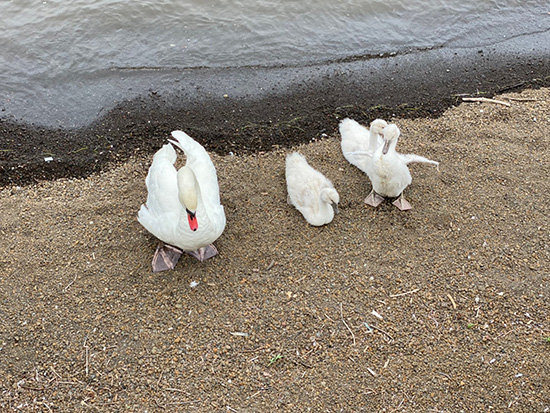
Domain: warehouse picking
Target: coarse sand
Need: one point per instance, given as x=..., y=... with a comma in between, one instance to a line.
x=441, y=308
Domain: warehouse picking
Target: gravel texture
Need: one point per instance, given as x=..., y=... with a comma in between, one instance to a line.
x=441, y=308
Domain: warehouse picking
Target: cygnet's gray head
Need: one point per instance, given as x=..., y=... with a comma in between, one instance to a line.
x=390, y=134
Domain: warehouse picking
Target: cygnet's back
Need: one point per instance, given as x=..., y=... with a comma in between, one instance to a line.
x=310, y=191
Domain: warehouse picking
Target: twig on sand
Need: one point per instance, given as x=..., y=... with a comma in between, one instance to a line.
x=346, y=324
x=487, y=100
x=55, y=372
x=521, y=99
x=328, y=317
x=301, y=362
x=270, y=266
x=406, y=293
x=253, y=350
x=173, y=389
x=505, y=333
x=184, y=402
x=452, y=301
x=87, y=359
x=371, y=372
x=382, y=331
x=160, y=378
x=71, y=283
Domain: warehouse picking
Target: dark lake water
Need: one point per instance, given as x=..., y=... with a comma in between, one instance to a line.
x=64, y=55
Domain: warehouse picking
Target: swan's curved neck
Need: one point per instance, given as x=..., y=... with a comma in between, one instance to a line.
x=389, y=146
x=188, y=189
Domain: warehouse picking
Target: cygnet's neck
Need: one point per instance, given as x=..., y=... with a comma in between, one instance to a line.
x=373, y=141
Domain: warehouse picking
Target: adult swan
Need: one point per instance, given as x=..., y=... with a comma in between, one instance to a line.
x=183, y=207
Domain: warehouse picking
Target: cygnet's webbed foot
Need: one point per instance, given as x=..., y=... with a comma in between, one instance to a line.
x=402, y=203
x=373, y=199
x=204, y=253
x=166, y=257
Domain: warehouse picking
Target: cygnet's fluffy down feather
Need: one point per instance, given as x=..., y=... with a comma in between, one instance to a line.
x=310, y=191
x=390, y=174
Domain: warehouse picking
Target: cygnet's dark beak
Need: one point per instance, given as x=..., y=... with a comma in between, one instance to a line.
x=334, y=206
x=386, y=147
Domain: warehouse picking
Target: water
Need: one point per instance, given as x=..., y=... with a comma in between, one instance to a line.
x=59, y=52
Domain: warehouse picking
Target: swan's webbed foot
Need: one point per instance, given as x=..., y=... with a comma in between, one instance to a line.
x=204, y=253
x=166, y=257
x=373, y=199
x=402, y=203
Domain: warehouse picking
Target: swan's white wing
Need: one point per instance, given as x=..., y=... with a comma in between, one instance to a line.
x=162, y=206
x=355, y=142
x=411, y=157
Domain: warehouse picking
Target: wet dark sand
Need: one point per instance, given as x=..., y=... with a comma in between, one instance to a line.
x=257, y=109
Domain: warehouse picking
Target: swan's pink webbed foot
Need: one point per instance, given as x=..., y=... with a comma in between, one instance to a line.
x=402, y=203
x=373, y=199
x=166, y=257
x=204, y=253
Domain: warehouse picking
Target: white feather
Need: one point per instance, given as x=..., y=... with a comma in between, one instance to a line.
x=390, y=175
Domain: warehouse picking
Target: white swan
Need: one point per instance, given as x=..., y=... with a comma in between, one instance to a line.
x=359, y=143
x=390, y=174
x=310, y=191
x=183, y=207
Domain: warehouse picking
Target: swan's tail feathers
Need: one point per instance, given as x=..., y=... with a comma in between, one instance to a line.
x=187, y=144
x=166, y=152
x=411, y=157
x=182, y=138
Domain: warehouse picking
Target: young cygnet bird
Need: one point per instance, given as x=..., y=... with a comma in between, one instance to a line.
x=389, y=174
x=310, y=191
x=359, y=143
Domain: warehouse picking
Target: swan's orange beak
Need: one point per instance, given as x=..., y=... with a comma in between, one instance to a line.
x=192, y=218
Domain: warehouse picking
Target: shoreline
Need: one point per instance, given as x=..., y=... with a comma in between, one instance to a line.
x=256, y=109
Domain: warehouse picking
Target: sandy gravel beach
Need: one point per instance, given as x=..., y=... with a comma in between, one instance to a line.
x=442, y=308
